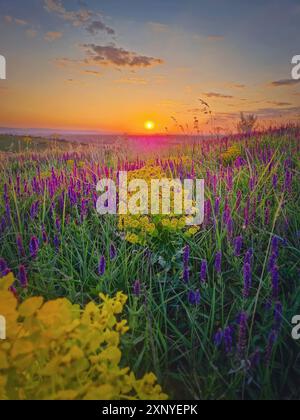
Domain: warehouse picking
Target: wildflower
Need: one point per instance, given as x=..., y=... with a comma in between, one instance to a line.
x=34, y=247
x=218, y=338
x=248, y=256
x=137, y=288
x=228, y=340
x=238, y=244
x=3, y=267
x=275, y=282
x=44, y=235
x=20, y=246
x=218, y=262
x=57, y=224
x=56, y=243
x=112, y=252
x=102, y=266
x=186, y=256
x=23, y=277
x=194, y=298
x=186, y=274
x=247, y=280
x=203, y=271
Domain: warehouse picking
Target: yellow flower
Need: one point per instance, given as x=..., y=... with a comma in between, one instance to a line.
x=57, y=351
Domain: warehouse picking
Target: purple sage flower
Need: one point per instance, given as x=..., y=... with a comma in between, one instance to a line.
x=20, y=246
x=23, y=277
x=247, y=280
x=218, y=262
x=137, y=288
x=194, y=298
x=238, y=244
x=102, y=266
x=112, y=252
x=203, y=271
x=218, y=338
x=34, y=247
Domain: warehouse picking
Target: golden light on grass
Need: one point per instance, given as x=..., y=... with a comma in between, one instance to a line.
x=149, y=125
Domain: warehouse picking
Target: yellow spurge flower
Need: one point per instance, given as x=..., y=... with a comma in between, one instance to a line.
x=56, y=351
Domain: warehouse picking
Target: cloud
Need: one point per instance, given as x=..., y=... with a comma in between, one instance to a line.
x=77, y=18
x=20, y=22
x=132, y=81
x=276, y=103
x=285, y=82
x=97, y=26
x=112, y=55
x=218, y=95
x=92, y=73
x=53, y=36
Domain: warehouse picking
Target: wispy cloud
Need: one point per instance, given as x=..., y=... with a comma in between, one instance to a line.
x=76, y=18
x=217, y=95
x=17, y=21
x=97, y=26
x=117, y=56
x=279, y=104
x=284, y=82
x=53, y=36
x=132, y=81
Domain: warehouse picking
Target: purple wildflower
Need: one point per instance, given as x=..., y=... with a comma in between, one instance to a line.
x=102, y=266
x=186, y=274
x=238, y=244
x=218, y=338
x=3, y=267
x=228, y=340
x=34, y=247
x=112, y=252
x=247, y=280
x=203, y=271
x=275, y=282
x=186, y=256
x=218, y=262
x=23, y=277
x=137, y=288
x=194, y=298
x=20, y=246
x=56, y=243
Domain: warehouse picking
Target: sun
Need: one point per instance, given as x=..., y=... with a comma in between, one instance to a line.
x=149, y=125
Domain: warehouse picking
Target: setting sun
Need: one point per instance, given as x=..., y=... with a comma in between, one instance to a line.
x=149, y=125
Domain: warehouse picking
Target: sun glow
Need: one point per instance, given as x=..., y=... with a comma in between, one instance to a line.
x=149, y=125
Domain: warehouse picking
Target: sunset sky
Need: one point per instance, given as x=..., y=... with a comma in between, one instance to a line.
x=112, y=65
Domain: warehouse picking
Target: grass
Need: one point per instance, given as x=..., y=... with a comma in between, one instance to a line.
x=168, y=334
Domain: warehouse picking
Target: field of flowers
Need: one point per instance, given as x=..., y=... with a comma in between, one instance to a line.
x=204, y=312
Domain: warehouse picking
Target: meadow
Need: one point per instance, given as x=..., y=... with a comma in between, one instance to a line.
x=208, y=309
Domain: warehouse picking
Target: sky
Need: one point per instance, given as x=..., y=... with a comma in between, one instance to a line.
x=112, y=65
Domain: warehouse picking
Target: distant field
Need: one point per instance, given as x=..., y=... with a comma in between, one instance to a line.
x=15, y=144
